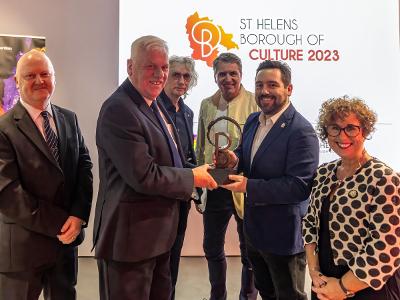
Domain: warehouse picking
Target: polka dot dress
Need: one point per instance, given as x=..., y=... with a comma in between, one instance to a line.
x=364, y=219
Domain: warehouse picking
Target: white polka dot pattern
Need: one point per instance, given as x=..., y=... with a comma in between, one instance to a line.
x=364, y=219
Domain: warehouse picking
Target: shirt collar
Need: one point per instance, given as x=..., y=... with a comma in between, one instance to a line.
x=263, y=118
x=34, y=112
x=168, y=103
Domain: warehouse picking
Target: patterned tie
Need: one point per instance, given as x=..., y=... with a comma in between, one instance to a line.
x=51, y=137
x=172, y=147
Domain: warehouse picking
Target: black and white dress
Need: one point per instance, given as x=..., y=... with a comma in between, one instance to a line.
x=359, y=227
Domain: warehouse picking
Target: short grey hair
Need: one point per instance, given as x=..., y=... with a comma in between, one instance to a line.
x=229, y=58
x=189, y=63
x=147, y=42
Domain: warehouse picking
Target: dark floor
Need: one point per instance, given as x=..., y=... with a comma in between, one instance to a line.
x=192, y=282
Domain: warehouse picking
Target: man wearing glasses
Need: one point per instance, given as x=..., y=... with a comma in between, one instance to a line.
x=181, y=79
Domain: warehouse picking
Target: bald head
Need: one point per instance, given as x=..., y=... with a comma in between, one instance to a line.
x=33, y=55
x=35, y=79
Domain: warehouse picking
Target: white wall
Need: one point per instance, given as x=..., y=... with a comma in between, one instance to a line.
x=82, y=42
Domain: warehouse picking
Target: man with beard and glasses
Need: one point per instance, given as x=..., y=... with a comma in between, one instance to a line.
x=234, y=101
x=278, y=157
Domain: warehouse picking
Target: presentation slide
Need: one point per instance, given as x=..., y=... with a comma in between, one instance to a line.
x=334, y=48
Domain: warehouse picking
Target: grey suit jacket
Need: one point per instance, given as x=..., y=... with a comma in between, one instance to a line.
x=36, y=193
x=137, y=206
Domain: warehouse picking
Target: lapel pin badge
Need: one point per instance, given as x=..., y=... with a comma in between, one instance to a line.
x=283, y=125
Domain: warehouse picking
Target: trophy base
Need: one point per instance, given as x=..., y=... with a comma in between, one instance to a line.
x=221, y=175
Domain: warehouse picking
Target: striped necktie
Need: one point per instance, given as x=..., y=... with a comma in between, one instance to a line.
x=50, y=136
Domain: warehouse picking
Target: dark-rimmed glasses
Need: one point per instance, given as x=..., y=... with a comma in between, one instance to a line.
x=350, y=130
x=177, y=76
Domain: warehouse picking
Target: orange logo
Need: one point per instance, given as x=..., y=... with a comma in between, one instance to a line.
x=205, y=37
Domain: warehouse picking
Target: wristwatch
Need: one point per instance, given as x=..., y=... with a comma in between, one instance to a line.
x=348, y=293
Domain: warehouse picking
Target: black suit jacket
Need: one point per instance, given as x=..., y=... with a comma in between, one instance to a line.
x=137, y=206
x=36, y=193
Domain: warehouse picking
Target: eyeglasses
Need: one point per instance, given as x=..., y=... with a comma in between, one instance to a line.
x=177, y=76
x=32, y=76
x=350, y=130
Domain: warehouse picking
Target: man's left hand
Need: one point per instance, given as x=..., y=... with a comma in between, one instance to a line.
x=70, y=230
x=239, y=184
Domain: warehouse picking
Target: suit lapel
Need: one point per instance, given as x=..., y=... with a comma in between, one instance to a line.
x=25, y=123
x=277, y=129
x=250, y=138
x=146, y=110
x=59, y=120
x=189, y=129
x=176, y=137
x=140, y=102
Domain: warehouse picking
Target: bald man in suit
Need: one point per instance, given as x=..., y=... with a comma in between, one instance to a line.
x=45, y=189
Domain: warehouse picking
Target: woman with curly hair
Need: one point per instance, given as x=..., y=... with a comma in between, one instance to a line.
x=352, y=228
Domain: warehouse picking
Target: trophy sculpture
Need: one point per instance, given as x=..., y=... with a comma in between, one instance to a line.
x=220, y=170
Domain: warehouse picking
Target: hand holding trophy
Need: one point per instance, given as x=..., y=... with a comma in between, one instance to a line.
x=225, y=160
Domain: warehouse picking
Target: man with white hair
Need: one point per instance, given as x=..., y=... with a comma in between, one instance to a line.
x=142, y=181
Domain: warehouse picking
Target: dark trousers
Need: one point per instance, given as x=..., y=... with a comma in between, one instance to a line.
x=145, y=280
x=175, y=257
x=219, y=210
x=57, y=280
x=278, y=277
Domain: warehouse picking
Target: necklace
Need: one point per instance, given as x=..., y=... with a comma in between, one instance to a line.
x=343, y=172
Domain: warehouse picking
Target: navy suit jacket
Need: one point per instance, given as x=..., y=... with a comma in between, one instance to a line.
x=279, y=181
x=137, y=206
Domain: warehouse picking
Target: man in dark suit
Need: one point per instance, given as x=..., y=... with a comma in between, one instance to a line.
x=45, y=189
x=278, y=157
x=181, y=79
x=142, y=181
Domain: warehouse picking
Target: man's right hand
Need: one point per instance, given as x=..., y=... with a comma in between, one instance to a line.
x=203, y=179
x=233, y=159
